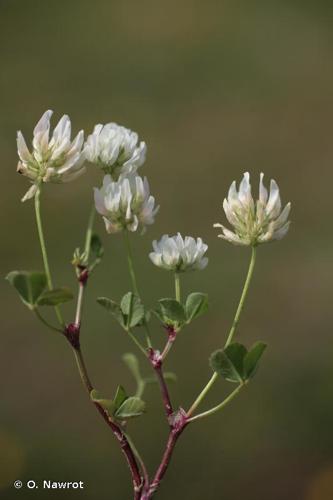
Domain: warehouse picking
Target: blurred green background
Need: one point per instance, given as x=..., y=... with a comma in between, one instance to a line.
x=214, y=88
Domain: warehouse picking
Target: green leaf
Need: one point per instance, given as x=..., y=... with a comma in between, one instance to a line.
x=252, y=358
x=29, y=285
x=96, y=247
x=113, y=308
x=196, y=305
x=172, y=311
x=229, y=362
x=132, y=364
x=131, y=407
x=107, y=404
x=55, y=296
x=119, y=398
x=132, y=309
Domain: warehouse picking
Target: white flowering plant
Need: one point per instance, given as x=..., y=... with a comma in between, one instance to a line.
x=126, y=206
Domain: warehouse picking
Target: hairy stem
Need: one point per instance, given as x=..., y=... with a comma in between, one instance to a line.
x=44, y=252
x=232, y=331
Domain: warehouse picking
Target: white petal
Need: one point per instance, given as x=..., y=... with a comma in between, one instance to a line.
x=244, y=193
x=263, y=193
x=44, y=123
x=99, y=202
x=273, y=206
x=278, y=235
x=30, y=193
x=22, y=148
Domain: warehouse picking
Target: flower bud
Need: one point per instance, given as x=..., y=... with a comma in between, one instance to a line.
x=51, y=160
x=125, y=204
x=179, y=254
x=254, y=222
x=115, y=149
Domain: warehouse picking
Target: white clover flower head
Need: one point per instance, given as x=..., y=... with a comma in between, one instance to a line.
x=115, y=149
x=254, y=222
x=52, y=160
x=178, y=254
x=125, y=203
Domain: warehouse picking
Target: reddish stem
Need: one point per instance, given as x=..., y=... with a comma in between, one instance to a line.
x=72, y=333
x=156, y=362
x=121, y=438
x=164, y=391
x=179, y=422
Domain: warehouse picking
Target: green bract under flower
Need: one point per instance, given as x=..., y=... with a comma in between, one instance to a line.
x=254, y=222
x=115, y=149
x=52, y=160
x=125, y=204
x=179, y=254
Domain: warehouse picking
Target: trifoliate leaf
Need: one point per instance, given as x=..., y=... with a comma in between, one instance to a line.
x=196, y=305
x=29, y=285
x=119, y=398
x=252, y=358
x=171, y=311
x=132, y=309
x=55, y=297
x=113, y=308
x=131, y=407
x=229, y=362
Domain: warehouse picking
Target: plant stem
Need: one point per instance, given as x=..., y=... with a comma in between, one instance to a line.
x=164, y=391
x=177, y=287
x=79, y=304
x=117, y=431
x=44, y=252
x=137, y=343
x=119, y=434
x=232, y=331
x=139, y=459
x=202, y=394
x=218, y=407
x=167, y=348
x=45, y=322
x=243, y=296
x=89, y=232
x=130, y=263
x=172, y=440
x=134, y=281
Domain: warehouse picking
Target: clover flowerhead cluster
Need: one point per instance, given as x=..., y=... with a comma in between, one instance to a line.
x=116, y=149
x=56, y=159
x=125, y=204
x=178, y=254
x=254, y=222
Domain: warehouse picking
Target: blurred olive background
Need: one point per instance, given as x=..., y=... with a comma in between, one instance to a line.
x=214, y=88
